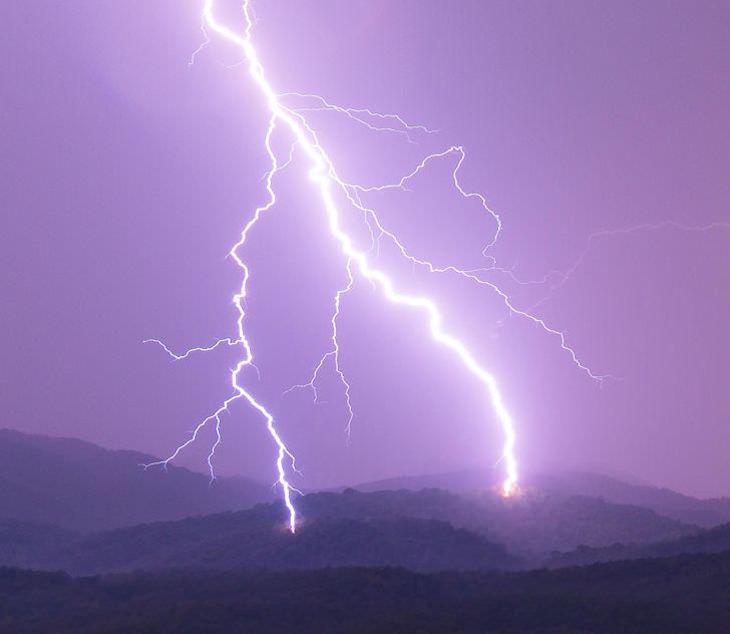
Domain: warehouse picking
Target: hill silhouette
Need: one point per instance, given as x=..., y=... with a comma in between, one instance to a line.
x=72, y=505
x=425, y=530
x=77, y=485
x=710, y=541
x=661, y=596
x=531, y=525
x=684, y=508
x=257, y=540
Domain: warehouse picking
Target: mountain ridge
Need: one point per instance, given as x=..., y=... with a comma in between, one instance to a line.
x=667, y=502
x=427, y=530
x=77, y=485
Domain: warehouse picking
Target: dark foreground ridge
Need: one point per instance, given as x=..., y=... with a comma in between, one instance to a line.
x=690, y=593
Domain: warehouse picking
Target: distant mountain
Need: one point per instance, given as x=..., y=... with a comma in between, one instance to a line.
x=254, y=539
x=708, y=542
x=77, y=485
x=426, y=530
x=687, y=509
x=706, y=513
x=531, y=525
x=467, y=481
x=87, y=491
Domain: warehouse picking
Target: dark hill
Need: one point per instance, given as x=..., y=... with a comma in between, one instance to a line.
x=254, y=539
x=712, y=541
x=687, y=594
x=234, y=541
x=426, y=530
x=530, y=525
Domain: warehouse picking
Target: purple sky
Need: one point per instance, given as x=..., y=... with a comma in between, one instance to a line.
x=127, y=175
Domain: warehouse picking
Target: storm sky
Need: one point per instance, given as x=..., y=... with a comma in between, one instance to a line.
x=128, y=174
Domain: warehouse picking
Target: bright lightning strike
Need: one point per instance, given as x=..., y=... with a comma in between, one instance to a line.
x=328, y=186
x=240, y=392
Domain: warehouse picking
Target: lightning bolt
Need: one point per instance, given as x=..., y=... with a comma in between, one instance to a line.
x=334, y=354
x=328, y=186
x=389, y=122
x=240, y=392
